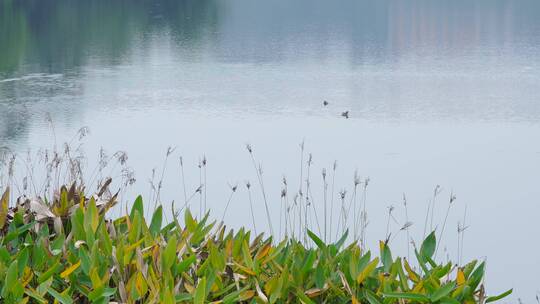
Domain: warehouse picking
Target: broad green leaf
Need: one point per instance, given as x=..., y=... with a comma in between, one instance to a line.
x=200, y=292
x=49, y=273
x=157, y=218
x=137, y=206
x=443, y=291
x=191, y=225
x=11, y=279
x=184, y=264
x=476, y=276
x=316, y=240
x=169, y=254
x=386, y=256
x=341, y=241
x=135, y=229
x=428, y=246
x=371, y=297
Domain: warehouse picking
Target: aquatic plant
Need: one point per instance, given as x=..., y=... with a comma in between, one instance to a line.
x=65, y=249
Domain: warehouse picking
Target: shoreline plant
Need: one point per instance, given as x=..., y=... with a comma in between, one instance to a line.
x=65, y=249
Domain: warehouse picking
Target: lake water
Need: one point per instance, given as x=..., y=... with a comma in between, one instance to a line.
x=439, y=93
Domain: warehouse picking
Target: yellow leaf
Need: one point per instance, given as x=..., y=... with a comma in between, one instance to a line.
x=4, y=201
x=70, y=270
x=412, y=275
x=94, y=214
x=355, y=300
x=245, y=269
x=140, y=284
x=418, y=288
x=246, y=295
x=313, y=292
x=264, y=251
x=94, y=277
x=367, y=271
x=229, y=248
x=27, y=276
x=189, y=288
x=460, y=277
x=133, y=246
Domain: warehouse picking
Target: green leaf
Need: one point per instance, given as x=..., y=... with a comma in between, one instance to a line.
x=135, y=229
x=308, y=262
x=22, y=259
x=316, y=240
x=11, y=278
x=137, y=206
x=183, y=266
x=91, y=216
x=341, y=241
x=371, y=297
x=443, y=291
x=200, y=292
x=428, y=246
x=362, y=263
x=169, y=254
x=60, y=297
x=191, y=225
x=476, y=276
x=33, y=294
x=303, y=298
x=449, y=300
x=386, y=257
x=157, y=218
x=50, y=272
x=496, y=298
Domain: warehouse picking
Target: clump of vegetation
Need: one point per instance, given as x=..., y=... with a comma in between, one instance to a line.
x=65, y=249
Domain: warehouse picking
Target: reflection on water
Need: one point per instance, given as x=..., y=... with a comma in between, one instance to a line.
x=472, y=60
x=439, y=92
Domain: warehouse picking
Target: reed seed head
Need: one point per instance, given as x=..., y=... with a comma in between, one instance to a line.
x=406, y=225
x=121, y=156
x=342, y=194
x=356, y=178
x=82, y=132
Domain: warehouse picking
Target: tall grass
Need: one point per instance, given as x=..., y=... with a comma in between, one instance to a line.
x=298, y=218
x=66, y=250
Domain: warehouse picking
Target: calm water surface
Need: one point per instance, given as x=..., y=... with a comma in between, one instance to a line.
x=439, y=93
